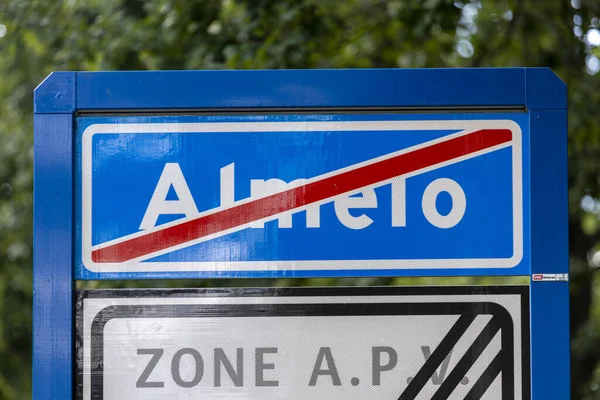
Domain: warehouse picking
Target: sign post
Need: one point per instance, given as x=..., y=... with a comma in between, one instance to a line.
x=228, y=174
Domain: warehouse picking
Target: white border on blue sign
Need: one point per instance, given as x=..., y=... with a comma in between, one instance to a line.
x=465, y=127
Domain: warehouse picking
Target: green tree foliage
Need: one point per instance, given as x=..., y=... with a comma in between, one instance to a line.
x=39, y=36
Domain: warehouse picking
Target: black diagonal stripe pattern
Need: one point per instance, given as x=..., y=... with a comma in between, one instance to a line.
x=438, y=356
x=468, y=359
x=488, y=377
x=503, y=362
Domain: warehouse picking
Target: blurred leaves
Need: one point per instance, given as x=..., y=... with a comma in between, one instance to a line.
x=39, y=36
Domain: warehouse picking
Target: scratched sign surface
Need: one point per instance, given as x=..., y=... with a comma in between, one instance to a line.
x=303, y=195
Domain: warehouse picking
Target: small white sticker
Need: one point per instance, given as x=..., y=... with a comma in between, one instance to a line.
x=550, y=277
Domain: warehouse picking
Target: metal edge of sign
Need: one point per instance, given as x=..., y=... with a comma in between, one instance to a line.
x=68, y=92
x=57, y=94
x=53, y=270
x=117, y=311
x=544, y=89
x=549, y=301
x=301, y=88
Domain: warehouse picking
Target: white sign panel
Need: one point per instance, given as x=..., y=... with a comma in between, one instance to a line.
x=335, y=343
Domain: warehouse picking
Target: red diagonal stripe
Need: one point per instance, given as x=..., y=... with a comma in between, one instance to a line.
x=300, y=196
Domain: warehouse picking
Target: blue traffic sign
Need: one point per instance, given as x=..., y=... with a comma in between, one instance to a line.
x=319, y=173
x=302, y=195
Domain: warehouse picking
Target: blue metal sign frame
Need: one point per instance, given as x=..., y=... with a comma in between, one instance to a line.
x=64, y=95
